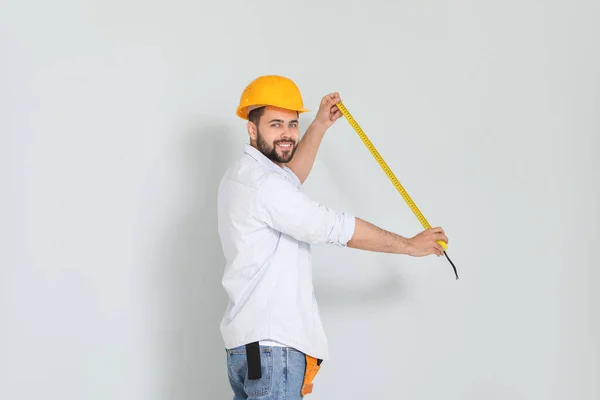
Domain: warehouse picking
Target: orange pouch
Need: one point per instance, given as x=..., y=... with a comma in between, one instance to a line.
x=312, y=367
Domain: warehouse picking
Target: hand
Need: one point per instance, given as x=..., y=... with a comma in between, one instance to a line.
x=328, y=112
x=425, y=243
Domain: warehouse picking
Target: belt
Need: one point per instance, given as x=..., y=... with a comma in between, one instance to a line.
x=254, y=367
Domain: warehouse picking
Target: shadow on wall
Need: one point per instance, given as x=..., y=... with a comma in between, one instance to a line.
x=191, y=269
x=390, y=288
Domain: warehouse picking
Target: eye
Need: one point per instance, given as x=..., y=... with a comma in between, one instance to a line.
x=275, y=125
x=293, y=125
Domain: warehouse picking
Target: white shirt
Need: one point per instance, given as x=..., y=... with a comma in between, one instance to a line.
x=267, y=226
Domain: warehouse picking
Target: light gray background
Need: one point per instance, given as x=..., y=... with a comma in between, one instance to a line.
x=118, y=119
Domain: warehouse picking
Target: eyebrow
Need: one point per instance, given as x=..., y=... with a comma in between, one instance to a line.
x=280, y=120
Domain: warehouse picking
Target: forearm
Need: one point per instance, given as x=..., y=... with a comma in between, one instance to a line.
x=370, y=237
x=306, y=153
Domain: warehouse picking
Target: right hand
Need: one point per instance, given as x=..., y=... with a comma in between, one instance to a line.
x=328, y=112
x=425, y=243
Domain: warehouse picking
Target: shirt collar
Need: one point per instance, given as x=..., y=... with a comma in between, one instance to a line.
x=261, y=158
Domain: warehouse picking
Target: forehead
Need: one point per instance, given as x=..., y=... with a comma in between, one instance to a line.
x=279, y=113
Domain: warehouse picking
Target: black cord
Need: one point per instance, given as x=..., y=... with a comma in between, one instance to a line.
x=455, y=273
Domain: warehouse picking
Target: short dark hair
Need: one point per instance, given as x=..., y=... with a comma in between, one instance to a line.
x=254, y=115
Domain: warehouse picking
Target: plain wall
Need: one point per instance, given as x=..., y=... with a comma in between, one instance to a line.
x=118, y=119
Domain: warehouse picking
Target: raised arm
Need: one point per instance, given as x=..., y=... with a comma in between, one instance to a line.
x=306, y=153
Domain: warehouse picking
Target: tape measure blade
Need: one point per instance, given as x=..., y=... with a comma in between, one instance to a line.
x=367, y=142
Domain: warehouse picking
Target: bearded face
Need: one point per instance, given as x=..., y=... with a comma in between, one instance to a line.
x=276, y=134
x=280, y=150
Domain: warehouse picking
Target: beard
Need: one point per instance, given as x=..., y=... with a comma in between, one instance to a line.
x=271, y=151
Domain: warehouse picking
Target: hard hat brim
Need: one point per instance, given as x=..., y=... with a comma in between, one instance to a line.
x=242, y=111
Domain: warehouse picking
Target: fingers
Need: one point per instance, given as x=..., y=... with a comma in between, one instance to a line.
x=331, y=99
x=334, y=113
x=435, y=234
x=438, y=249
x=439, y=234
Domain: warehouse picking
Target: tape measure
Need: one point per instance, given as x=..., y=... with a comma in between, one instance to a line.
x=391, y=176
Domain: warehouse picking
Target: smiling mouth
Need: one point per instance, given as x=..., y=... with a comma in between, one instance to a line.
x=284, y=145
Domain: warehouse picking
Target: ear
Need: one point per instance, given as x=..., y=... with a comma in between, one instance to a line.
x=251, y=131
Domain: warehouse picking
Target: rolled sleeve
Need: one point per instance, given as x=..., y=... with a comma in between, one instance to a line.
x=347, y=229
x=287, y=209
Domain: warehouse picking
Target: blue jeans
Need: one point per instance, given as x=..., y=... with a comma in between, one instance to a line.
x=282, y=374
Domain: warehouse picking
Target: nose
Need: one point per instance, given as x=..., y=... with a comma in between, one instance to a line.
x=285, y=134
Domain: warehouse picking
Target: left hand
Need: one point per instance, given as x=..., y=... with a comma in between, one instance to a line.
x=328, y=112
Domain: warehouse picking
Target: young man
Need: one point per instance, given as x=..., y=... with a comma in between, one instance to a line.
x=272, y=330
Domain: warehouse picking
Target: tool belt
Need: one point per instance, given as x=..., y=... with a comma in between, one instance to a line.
x=254, y=367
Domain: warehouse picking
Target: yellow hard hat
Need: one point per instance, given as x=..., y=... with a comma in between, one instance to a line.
x=270, y=90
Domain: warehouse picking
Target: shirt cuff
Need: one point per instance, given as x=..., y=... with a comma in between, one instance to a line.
x=347, y=231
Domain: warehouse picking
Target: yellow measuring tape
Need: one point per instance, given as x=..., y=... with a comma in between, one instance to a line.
x=391, y=176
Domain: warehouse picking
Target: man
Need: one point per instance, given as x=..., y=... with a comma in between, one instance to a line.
x=272, y=330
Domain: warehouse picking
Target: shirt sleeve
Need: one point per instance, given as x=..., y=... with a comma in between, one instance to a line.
x=293, y=176
x=287, y=209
